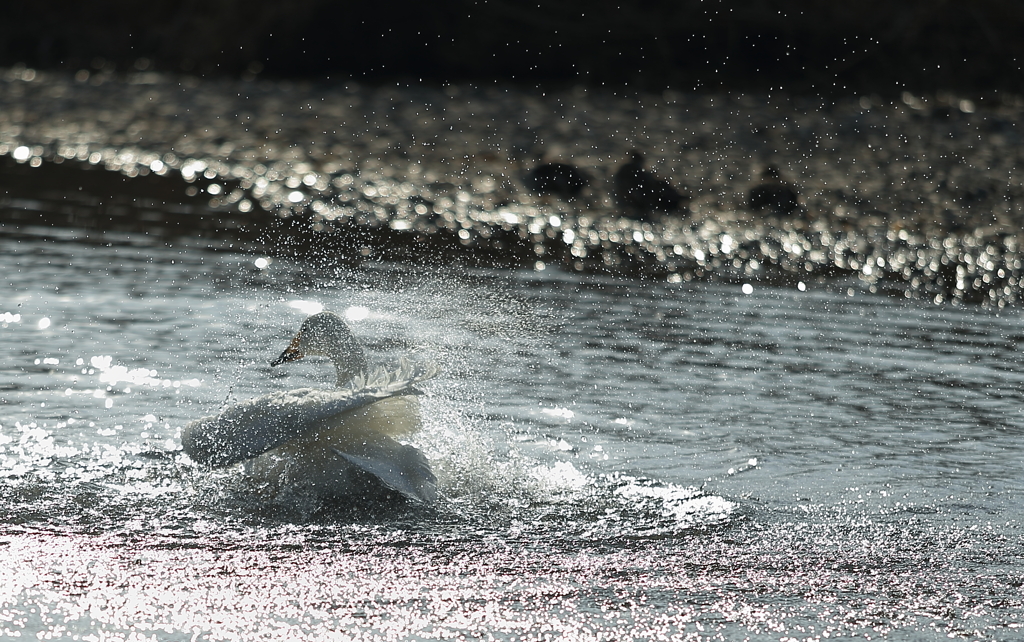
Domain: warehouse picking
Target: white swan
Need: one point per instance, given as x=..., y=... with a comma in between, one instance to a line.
x=326, y=440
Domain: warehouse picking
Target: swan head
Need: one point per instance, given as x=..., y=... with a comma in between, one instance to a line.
x=326, y=335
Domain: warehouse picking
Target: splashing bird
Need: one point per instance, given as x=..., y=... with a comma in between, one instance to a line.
x=339, y=442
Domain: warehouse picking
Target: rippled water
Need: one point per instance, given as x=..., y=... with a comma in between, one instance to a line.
x=617, y=459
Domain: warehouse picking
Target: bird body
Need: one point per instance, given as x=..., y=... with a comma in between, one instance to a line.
x=641, y=192
x=773, y=194
x=335, y=459
x=325, y=440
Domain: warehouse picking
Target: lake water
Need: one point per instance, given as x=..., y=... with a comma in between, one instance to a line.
x=617, y=459
x=716, y=425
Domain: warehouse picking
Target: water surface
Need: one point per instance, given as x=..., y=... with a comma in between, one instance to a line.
x=617, y=458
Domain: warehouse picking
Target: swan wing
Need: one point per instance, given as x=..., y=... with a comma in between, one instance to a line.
x=400, y=467
x=247, y=429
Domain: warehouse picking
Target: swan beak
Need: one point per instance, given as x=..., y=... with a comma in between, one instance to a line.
x=291, y=353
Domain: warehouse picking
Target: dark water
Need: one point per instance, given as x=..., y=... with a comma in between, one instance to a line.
x=724, y=455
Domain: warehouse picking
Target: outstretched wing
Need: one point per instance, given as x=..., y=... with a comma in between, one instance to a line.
x=400, y=467
x=252, y=427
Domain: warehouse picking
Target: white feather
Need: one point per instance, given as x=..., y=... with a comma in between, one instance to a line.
x=250, y=428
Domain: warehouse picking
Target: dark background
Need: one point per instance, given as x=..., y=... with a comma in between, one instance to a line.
x=818, y=46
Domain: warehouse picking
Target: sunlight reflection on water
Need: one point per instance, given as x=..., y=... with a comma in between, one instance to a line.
x=617, y=459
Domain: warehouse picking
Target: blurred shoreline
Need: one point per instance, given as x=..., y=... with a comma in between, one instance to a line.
x=916, y=196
